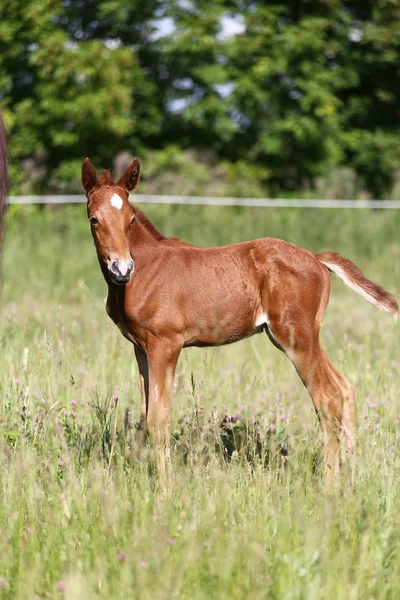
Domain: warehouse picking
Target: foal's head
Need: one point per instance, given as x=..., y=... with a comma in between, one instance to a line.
x=111, y=216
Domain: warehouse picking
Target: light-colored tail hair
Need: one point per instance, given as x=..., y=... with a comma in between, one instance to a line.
x=353, y=277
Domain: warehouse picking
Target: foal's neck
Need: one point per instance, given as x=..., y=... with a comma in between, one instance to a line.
x=143, y=230
x=141, y=234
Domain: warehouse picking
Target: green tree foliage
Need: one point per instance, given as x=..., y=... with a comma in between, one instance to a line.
x=303, y=88
x=279, y=92
x=71, y=88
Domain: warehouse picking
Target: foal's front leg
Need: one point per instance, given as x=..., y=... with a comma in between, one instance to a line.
x=162, y=357
x=143, y=366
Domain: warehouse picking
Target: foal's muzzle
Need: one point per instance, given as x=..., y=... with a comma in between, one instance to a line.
x=121, y=270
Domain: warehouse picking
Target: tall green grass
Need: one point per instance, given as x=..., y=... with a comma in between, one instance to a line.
x=246, y=514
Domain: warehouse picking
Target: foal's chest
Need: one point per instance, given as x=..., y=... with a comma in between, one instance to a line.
x=116, y=311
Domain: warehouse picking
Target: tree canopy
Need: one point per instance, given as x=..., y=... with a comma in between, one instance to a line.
x=278, y=92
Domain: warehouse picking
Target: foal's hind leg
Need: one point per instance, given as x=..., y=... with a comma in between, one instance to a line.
x=349, y=423
x=331, y=392
x=337, y=399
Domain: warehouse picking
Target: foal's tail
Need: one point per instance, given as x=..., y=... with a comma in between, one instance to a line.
x=353, y=277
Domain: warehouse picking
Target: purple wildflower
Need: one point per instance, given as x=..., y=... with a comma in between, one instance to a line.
x=171, y=541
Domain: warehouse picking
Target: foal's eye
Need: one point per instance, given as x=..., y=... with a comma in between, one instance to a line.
x=93, y=220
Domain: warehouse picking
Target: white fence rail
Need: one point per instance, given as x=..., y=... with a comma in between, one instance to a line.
x=217, y=201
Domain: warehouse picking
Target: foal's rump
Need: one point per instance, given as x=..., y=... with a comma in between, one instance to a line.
x=296, y=284
x=294, y=263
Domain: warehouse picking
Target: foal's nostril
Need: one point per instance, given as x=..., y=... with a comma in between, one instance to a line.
x=121, y=270
x=114, y=268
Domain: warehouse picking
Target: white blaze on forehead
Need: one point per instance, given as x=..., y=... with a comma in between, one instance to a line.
x=116, y=201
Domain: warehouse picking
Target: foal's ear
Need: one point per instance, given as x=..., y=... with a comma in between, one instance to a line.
x=130, y=178
x=89, y=175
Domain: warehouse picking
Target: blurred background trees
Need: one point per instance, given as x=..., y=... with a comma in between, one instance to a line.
x=240, y=97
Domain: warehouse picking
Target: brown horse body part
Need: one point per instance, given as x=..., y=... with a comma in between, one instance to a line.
x=165, y=295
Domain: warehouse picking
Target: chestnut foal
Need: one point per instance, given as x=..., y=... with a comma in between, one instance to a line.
x=165, y=295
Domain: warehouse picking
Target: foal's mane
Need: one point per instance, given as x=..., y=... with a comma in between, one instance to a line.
x=106, y=178
x=145, y=221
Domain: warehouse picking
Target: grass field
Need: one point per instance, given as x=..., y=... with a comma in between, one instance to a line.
x=80, y=514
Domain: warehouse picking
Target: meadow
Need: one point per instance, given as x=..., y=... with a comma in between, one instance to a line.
x=246, y=514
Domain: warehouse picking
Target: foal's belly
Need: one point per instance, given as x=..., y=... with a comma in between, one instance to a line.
x=216, y=339
x=224, y=328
